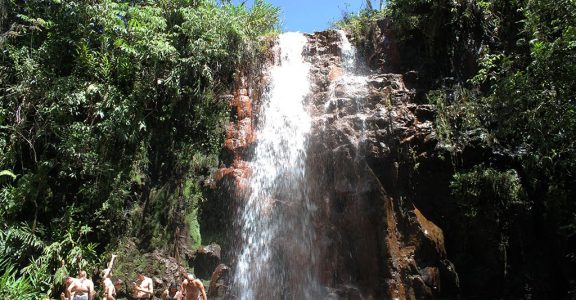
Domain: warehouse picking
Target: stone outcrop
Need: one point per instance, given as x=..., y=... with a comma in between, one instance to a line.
x=158, y=265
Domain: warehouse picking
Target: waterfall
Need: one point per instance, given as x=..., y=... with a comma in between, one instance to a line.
x=321, y=216
x=348, y=53
x=277, y=258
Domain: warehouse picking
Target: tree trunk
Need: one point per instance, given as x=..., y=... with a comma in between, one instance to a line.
x=369, y=5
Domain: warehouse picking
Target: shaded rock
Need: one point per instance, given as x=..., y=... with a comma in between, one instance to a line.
x=425, y=112
x=411, y=77
x=206, y=259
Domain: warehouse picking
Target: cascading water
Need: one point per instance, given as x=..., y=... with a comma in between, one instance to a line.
x=350, y=86
x=277, y=259
x=348, y=52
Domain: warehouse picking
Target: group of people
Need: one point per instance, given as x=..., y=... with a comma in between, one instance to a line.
x=82, y=288
x=190, y=289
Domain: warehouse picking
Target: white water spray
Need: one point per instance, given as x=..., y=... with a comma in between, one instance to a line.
x=277, y=258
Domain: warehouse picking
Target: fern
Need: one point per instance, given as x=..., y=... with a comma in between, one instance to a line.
x=13, y=286
x=19, y=240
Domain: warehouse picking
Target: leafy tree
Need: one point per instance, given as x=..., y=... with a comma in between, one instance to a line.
x=102, y=103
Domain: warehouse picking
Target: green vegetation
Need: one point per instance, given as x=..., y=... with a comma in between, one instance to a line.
x=110, y=117
x=358, y=24
x=456, y=119
x=14, y=286
x=484, y=190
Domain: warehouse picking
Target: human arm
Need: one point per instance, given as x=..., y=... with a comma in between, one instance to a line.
x=65, y=295
x=69, y=290
x=109, y=268
x=134, y=290
x=183, y=288
x=91, y=291
x=109, y=292
x=200, y=287
x=150, y=287
x=164, y=293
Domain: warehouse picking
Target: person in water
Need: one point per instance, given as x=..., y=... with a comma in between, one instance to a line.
x=143, y=288
x=109, y=286
x=193, y=288
x=172, y=293
x=82, y=288
x=65, y=295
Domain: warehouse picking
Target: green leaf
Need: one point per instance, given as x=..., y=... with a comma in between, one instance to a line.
x=8, y=173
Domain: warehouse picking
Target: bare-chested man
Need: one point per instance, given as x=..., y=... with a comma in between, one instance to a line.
x=193, y=288
x=81, y=288
x=143, y=288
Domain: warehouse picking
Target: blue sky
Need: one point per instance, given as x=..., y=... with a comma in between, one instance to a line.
x=312, y=15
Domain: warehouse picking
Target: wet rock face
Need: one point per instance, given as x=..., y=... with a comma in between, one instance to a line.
x=366, y=127
x=240, y=135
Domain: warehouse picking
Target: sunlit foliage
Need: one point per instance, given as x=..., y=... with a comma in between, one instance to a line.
x=102, y=102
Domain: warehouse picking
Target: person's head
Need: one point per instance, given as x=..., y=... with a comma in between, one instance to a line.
x=188, y=276
x=173, y=288
x=118, y=283
x=140, y=274
x=67, y=281
x=82, y=274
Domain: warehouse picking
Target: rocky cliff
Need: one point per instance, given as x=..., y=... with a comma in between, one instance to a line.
x=367, y=141
x=368, y=137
